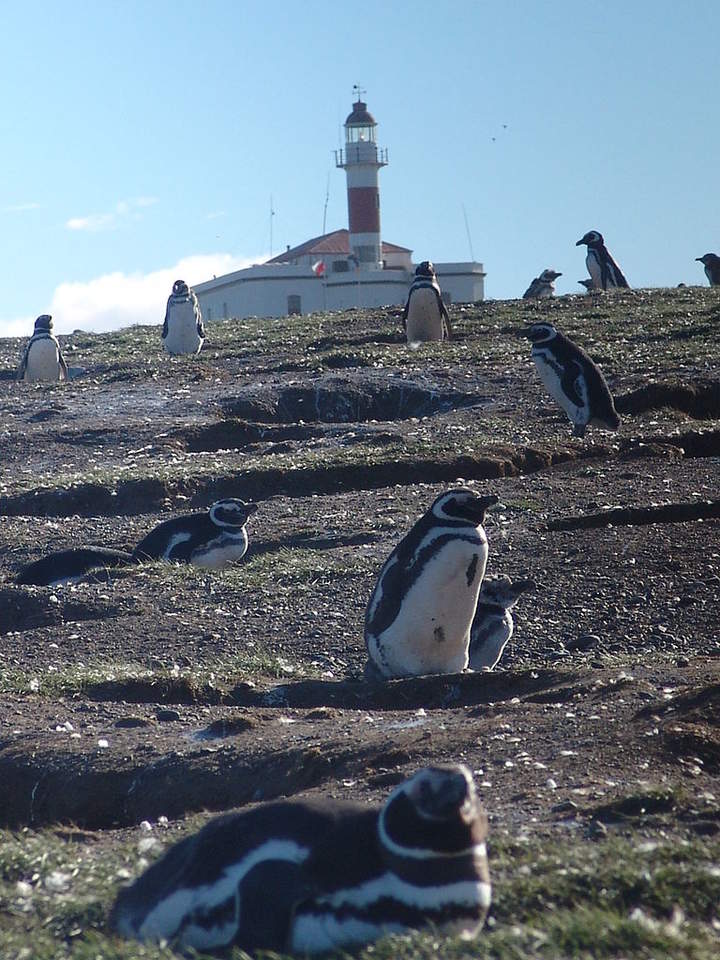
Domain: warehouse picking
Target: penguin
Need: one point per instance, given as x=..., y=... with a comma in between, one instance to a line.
x=493, y=624
x=418, y=618
x=573, y=380
x=711, y=262
x=425, y=316
x=42, y=358
x=587, y=283
x=212, y=540
x=310, y=876
x=70, y=566
x=603, y=270
x=542, y=286
x=183, y=330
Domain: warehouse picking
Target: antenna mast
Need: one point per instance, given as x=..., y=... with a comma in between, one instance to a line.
x=272, y=214
x=467, y=231
x=327, y=197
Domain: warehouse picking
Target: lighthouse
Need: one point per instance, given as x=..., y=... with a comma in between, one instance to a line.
x=361, y=159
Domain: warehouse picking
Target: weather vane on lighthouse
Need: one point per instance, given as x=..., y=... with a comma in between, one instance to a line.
x=357, y=89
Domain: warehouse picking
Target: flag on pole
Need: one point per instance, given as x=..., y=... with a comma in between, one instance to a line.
x=318, y=268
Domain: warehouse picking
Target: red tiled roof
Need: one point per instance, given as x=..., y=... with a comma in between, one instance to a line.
x=336, y=242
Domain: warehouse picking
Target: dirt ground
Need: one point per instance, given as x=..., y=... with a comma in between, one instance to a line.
x=159, y=690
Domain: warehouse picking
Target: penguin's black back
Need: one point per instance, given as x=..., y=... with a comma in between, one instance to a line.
x=68, y=564
x=177, y=539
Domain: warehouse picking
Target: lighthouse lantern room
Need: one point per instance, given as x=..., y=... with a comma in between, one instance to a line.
x=361, y=159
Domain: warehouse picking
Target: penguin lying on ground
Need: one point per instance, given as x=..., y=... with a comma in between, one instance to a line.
x=42, y=358
x=711, y=262
x=316, y=875
x=603, y=270
x=212, y=539
x=542, y=286
x=493, y=624
x=573, y=380
x=419, y=614
x=183, y=330
x=425, y=316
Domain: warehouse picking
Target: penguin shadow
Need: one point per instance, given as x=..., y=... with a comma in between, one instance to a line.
x=429, y=692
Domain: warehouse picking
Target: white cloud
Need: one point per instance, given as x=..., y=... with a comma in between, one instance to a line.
x=21, y=207
x=117, y=300
x=108, y=221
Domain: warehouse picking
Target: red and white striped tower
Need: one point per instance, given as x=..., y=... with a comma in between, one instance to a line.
x=361, y=160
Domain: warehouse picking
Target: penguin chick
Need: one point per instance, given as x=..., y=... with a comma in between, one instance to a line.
x=603, y=270
x=425, y=316
x=309, y=876
x=493, y=624
x=42, y=359
x=419, y=614
x=711, y=262
x=572, y=379
x=542, y=286
x=183, y=330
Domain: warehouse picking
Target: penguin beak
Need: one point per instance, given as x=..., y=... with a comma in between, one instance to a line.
x=580, y=242
x=521, y=586
x=699, y=258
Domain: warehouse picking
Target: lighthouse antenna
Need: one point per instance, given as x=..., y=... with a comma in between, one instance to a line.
x=272, y=214
x=327, y=197
x=467, y=231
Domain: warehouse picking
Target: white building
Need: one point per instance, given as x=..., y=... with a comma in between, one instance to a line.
x=345, y=268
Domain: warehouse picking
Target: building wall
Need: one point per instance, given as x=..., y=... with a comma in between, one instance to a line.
x=264, y=291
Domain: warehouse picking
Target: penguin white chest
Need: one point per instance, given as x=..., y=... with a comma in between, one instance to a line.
x=551, y=373
x=219, y=553
x=424, y=319
x=594, y=267
x=431, y=632
x=182, y=336
x=43, y=361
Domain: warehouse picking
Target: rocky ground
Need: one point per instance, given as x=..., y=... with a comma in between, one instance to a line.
x=133, y=701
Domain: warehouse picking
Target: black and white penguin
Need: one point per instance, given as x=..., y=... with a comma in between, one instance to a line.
x=42, y=358
x=70, y=566
x=542, y=286
x=572, y=379
x=711, y=262
x=425, y=316
x=183, y=330
x=603, y=270
x=493, y=624
x=419, y=615
x=211, y=539
x=316, y=875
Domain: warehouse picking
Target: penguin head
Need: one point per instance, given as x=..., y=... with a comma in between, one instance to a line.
x=587, y=283
x=232, y=513
x=462, y=504
x=180, y=288
x=706, y=259
x=44, y=322
x=548, y=276
x=433, y=814
x=591, y=239
x=503, y=592
x=425, y=269
x=541, y=332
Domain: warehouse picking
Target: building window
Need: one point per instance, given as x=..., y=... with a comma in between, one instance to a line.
x=340, y=266
x=294, y=304
x=366, y=254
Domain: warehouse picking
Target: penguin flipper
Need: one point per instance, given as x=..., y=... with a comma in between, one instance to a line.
x=20, y=375
x=267, y=919
x=165, y=321
x=570, y=382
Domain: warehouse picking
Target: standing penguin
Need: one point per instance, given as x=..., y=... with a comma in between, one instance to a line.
x=603, y=270
x=542, y=286
x=419, y=614
x=309, y=876
x=573, y=380
x=183, y=330
x=42, y=358
x=711, y=262
x=425, y=316
x=493, y=624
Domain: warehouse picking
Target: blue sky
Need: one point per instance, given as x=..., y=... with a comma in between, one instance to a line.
x=141, y=139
